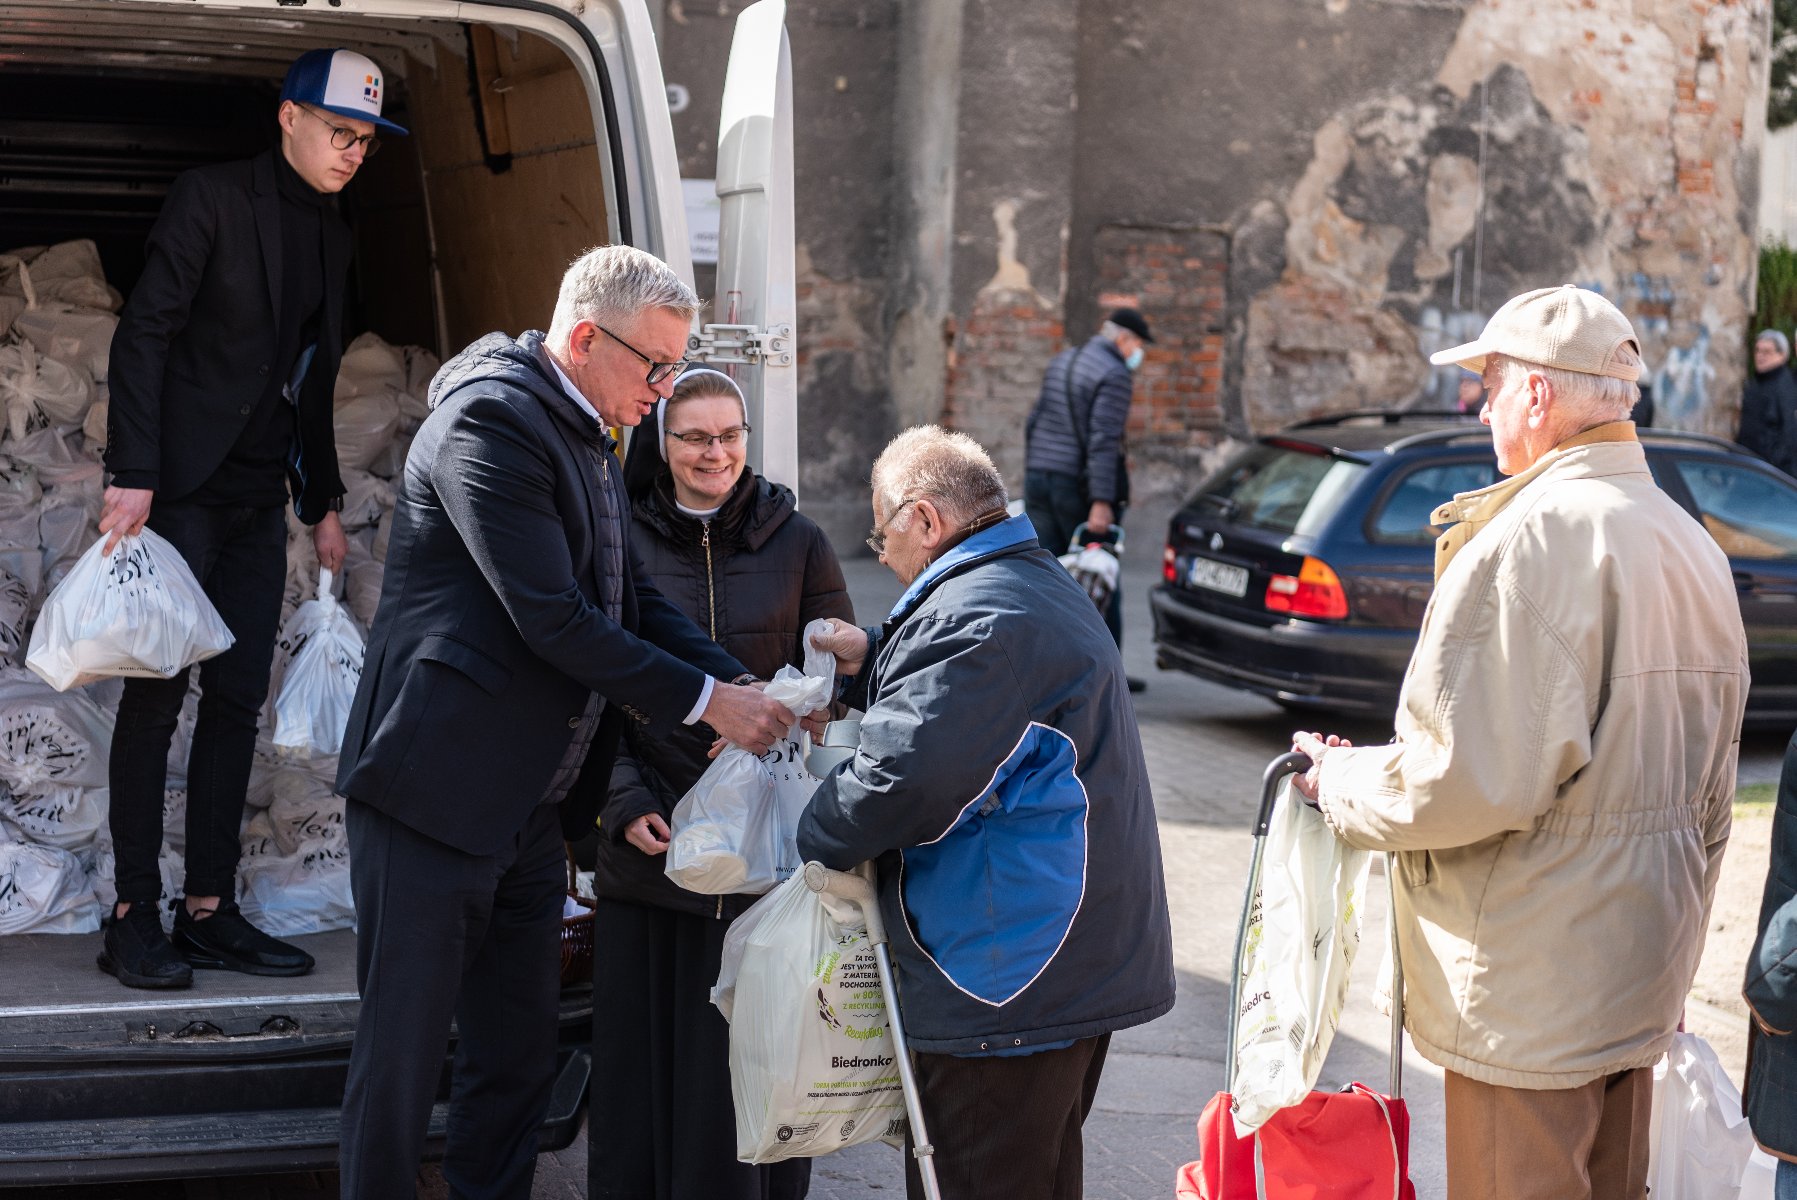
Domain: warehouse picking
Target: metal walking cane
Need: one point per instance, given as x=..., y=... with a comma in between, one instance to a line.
x=859, y=890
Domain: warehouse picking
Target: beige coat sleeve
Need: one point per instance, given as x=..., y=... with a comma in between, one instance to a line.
x=1495, y=717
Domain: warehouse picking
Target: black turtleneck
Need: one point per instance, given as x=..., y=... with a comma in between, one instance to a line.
x=254, y=473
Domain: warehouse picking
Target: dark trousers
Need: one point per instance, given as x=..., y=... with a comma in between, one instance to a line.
x=239, y=555
x=660, y=1121
x=1057, y=505
x=444, y=935
x=1008, y=1128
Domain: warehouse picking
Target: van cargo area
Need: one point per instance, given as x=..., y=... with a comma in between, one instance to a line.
x=521, y=156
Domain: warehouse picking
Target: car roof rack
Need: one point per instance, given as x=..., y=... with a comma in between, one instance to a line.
x=1381, y=416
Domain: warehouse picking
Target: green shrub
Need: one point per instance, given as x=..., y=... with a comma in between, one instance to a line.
x=1777, y=304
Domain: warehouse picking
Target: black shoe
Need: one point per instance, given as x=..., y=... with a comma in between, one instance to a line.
x=1136, y=686
x=226, y=941
x=137, y=951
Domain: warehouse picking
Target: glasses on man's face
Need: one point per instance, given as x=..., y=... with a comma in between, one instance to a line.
x=658, y=371
x=702, y=441
x=342, y=137
x=876, y=541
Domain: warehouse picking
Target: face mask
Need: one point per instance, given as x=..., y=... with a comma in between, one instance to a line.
x=1134, y=359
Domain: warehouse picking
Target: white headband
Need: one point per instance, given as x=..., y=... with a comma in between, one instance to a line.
x=661, y=406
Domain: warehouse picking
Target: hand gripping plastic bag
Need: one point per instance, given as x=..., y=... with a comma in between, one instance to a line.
x=812, y=1068
x=737, y=829
x=1303, y=931
x=319, y=683
x=136, y=612
x=1699, y=1146
x=45, y=890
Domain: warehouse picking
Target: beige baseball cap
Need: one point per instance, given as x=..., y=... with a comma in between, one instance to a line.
x=1566, y=327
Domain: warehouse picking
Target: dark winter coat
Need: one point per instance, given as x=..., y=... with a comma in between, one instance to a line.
x=1771, y=986
x=770, y=571
x=1769, y=417
x=1082, y=435
x=1001, y=787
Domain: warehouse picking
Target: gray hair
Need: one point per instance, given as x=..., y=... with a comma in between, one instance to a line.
x=613, y=286
x=950, y=468
x=1596, y=399
x=1777, y=338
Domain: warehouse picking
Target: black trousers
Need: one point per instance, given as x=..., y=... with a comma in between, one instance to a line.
x=1057, y=505
x=1008, y=1128
x=660, y=1121
x=239, y=555
x=439, y=935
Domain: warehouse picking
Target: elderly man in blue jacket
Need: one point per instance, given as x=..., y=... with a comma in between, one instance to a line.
x=1000, y=785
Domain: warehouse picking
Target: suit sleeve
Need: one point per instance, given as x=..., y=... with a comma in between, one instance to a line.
x=496, y=482
x=174, y=265
x=947, y=714
x=1104, y=441
x=1485, y=757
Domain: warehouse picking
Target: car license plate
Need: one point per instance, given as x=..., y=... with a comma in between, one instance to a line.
x=1218, y=577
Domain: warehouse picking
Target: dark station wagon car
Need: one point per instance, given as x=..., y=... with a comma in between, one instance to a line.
x=1300, y=571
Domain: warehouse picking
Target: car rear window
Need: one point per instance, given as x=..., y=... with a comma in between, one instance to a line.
x=1404, y=517
x=1281, y=489
x=1748, y=512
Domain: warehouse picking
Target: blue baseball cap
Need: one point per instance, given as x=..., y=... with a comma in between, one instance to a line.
x=339, y=81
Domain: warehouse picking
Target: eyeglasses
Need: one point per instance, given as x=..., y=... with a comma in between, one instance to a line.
x=703, y=441
x=876, y=540
x=658, y=371
x=342, y=137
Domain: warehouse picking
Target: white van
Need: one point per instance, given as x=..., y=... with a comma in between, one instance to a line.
x=539, y=128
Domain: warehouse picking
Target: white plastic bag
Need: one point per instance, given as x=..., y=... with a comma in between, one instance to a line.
x=68, y=818
x=364, y=427
x=736, y=830
x=45, y=890
x=37, y=390
x=289, y=894
x=81, y=336
x=1303, y=931
x=318, y=685
x=1699, y=1146
x=812, y=1067
x=136, y=612
x=50, y=739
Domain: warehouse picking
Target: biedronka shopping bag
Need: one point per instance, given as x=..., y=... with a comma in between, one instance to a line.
x=136, y=612
x=812, y=1068
x=1271, y=1137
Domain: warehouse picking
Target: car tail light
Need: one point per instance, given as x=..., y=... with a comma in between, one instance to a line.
x=1315, y=591
x=1169, y=564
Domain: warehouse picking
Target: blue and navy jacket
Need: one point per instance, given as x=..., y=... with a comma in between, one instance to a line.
x=1770, y=988
x=1000, y=786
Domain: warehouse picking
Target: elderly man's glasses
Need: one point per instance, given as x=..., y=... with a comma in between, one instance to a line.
x=876, y=540
x=658, y=371
x=702, y=441
x=342, y=137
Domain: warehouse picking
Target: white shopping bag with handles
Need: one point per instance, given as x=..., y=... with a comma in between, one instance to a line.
x=318, y=685
x=737, y=829
x=137, y=612
x=1303, y=931
x=1699, y=1146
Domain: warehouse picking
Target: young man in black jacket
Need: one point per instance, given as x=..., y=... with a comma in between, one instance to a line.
x=222, y=372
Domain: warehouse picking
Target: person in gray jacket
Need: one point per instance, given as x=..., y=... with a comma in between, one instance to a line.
x=1000, y=785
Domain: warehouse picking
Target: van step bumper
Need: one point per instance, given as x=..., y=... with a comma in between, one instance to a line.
x=230, y=1143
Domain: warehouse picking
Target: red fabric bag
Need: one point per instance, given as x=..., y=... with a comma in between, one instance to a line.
x=1348, y=1145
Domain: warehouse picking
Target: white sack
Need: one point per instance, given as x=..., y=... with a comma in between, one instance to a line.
x=295, y=809
x=364, y=575
x=421, y=367
x=69, y=273
x=366, y=499
x=15, y=608
x=50, y=739
x=364, y=426
x=45, y=890
x=93, y=426
x=68, y=818
x=1303, y=932
x=137, y=612
x=318, y=682
x=1699, y=1146
x=370, y=365
x=812, y=1066
x=79, y=337
x=291, y=895
x=737, y=829
x=37, y=390
x=102, y=863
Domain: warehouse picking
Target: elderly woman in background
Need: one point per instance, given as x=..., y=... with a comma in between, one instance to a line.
x=731, y=550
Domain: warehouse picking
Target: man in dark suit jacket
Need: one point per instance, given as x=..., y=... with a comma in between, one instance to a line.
x=516, y=634
x=222, y=371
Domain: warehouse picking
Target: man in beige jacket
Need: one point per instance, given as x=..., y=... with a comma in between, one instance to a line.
x=1559, y=792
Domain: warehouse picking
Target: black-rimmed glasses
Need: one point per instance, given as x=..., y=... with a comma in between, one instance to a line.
x=658, y=371
x=343, y=137
x=702, y=441
x=876, y=541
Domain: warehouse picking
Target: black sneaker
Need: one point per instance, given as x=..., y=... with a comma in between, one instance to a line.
x=137, y=951
x=226, y=941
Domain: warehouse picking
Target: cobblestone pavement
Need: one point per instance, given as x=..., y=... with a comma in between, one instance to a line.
x=1206, y=747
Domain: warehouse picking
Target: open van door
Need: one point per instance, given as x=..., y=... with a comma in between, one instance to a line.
x=756, y=305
